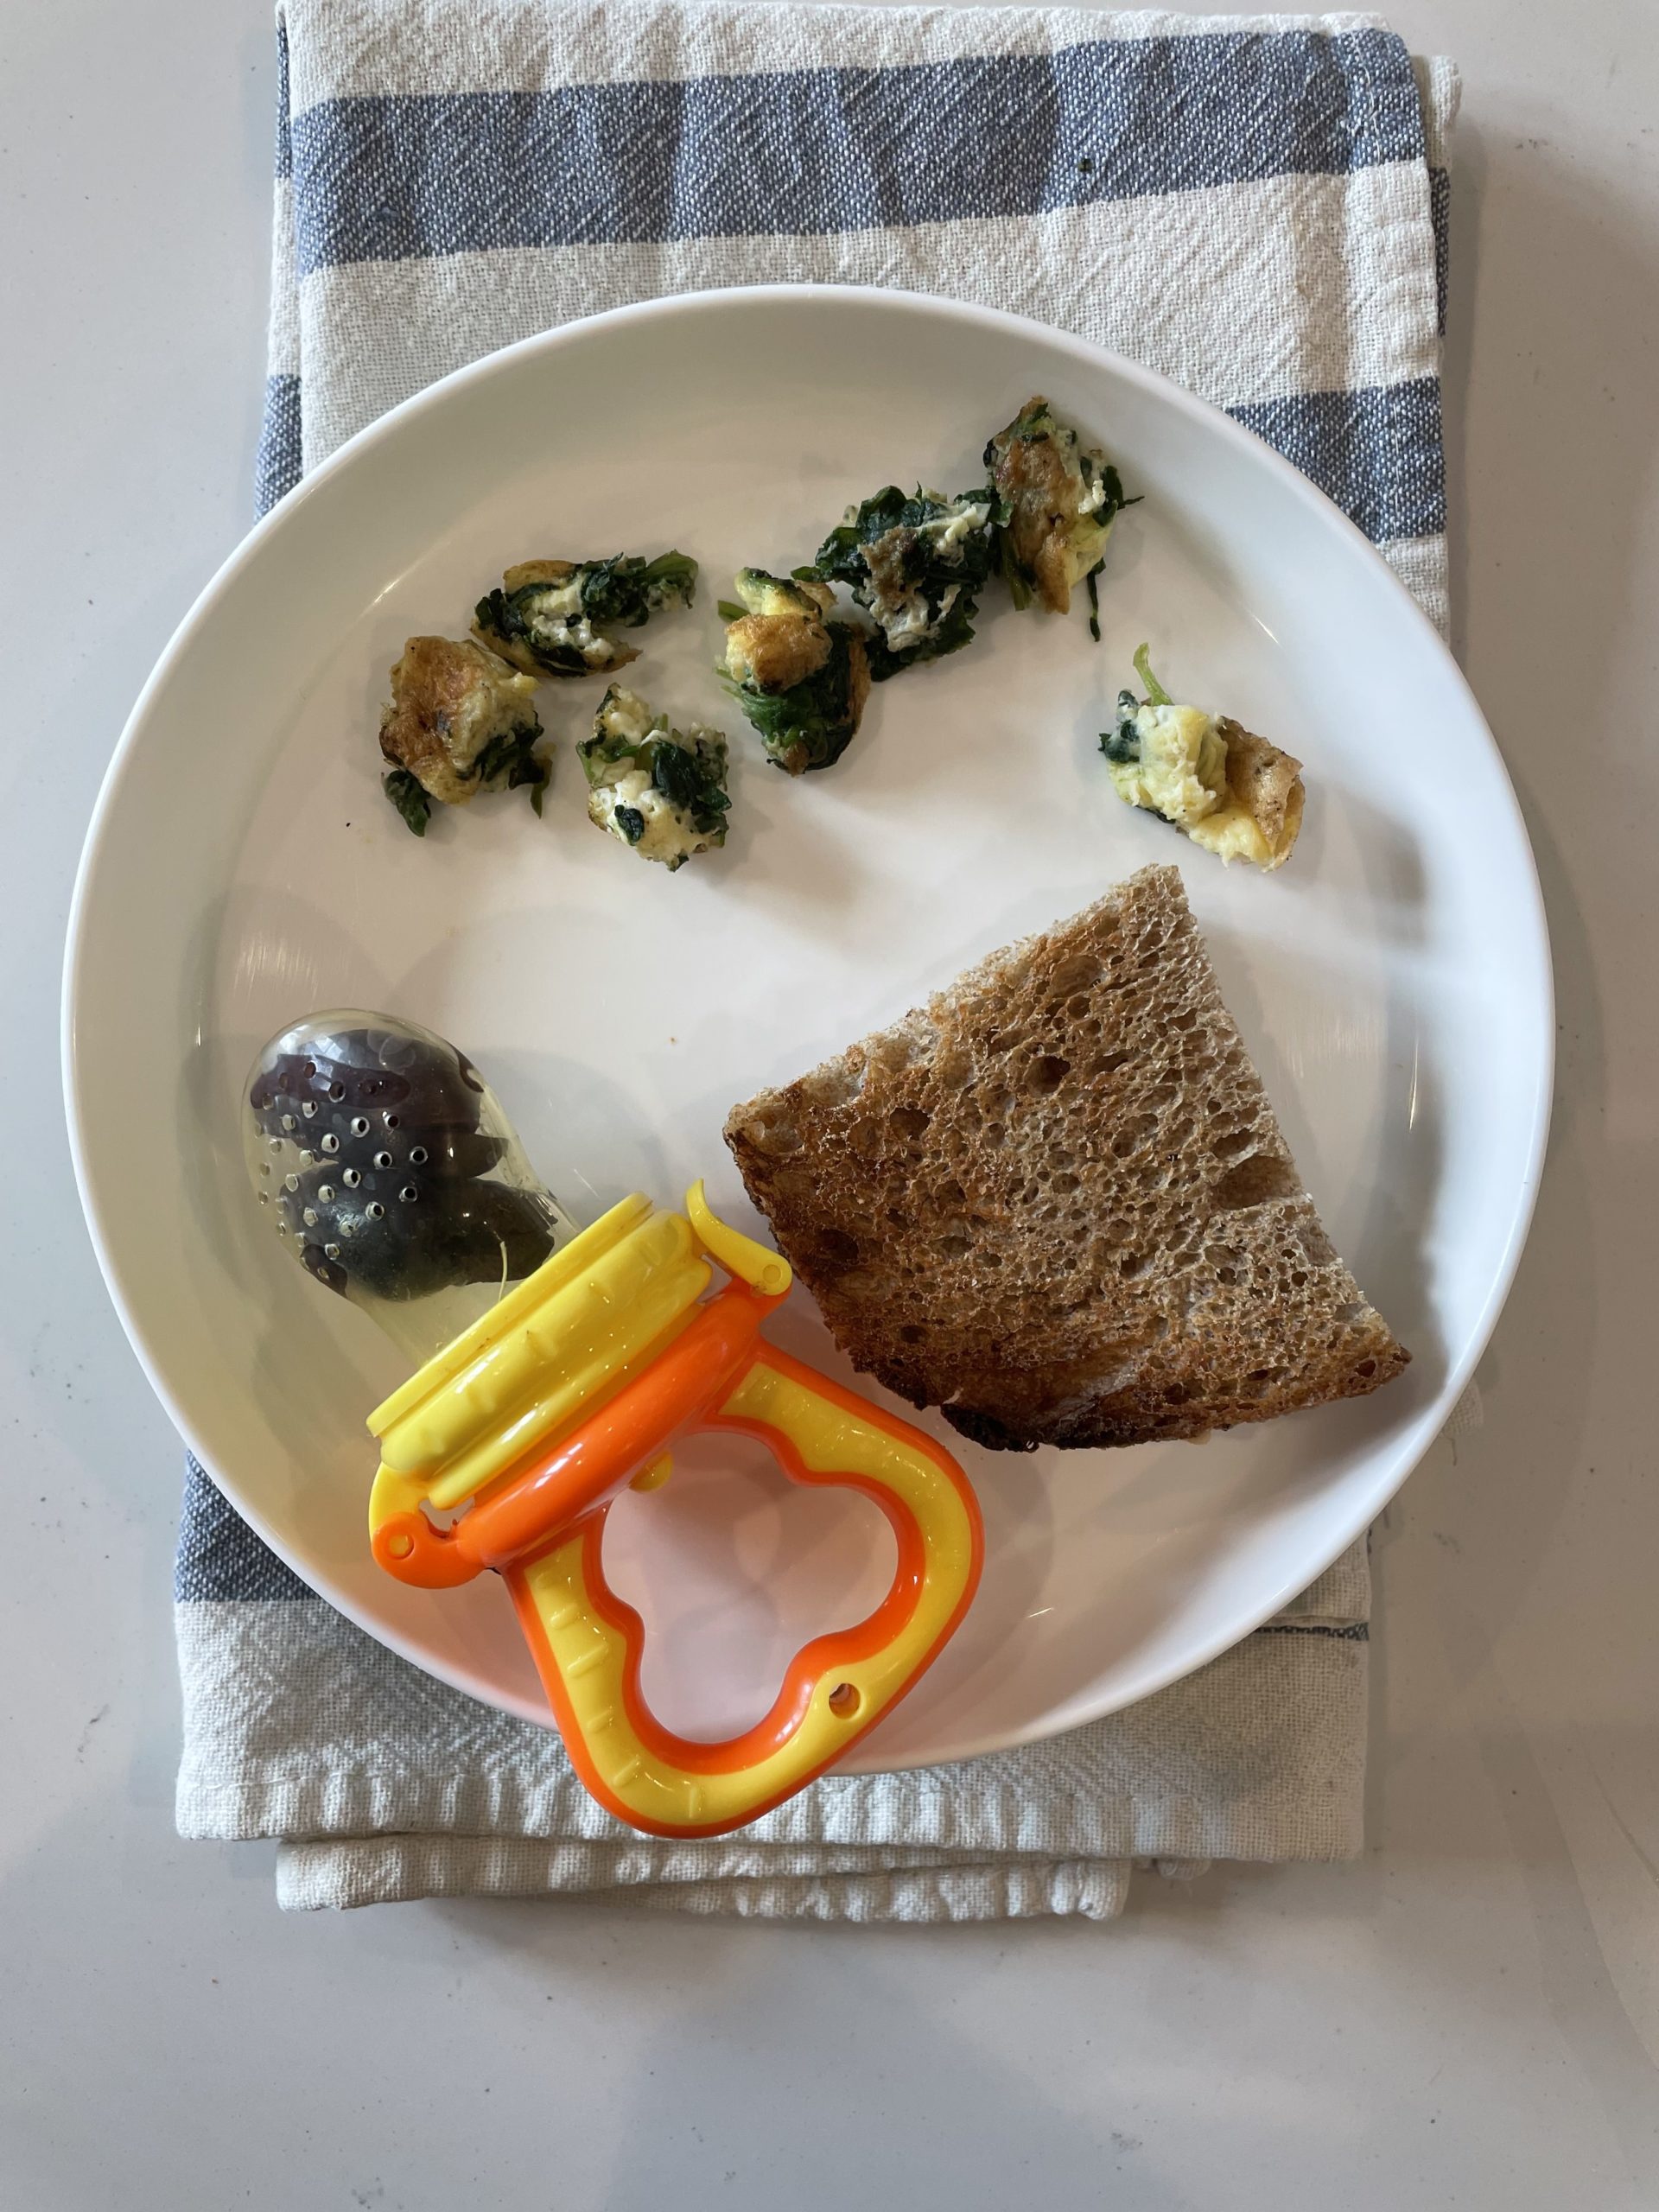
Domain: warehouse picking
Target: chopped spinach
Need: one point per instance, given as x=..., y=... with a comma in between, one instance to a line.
x=509, y=758
x=619, y=593
x=410, y=798
x=915, y=562
x=1156, y=695
x=1123, y=745
x=623, y=592
x=687, y=773
x=511, y=619
x=689, y=779
x=811, y=724
x=1094, y=467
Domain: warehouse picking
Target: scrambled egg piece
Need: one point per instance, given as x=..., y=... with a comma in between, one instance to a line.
x=659, y=791
x=1227, y=788
x=559, y=617
x=459, y=720
x=801, y=680
x=1060, y=498
x=1174, y=764
x=915, y=563
x=780, y=637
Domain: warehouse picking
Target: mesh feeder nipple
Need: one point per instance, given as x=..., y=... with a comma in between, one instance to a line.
x=389, y=1169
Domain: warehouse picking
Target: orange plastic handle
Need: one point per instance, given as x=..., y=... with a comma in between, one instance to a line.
x=588, y=1643
x=554, y=1485
x=541, y=1528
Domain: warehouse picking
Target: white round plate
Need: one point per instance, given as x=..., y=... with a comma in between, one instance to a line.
x=244, y=868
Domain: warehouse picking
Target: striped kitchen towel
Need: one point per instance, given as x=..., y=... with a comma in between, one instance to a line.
x=1254, y=206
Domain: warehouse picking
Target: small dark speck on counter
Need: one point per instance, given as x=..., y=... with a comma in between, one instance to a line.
x=87, y=1732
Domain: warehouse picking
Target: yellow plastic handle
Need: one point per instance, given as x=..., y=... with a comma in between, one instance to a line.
x=578, y=1381
x=764, y=1270
x=587, y=1643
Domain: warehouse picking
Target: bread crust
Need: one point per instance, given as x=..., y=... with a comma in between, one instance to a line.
x=1056, y=1204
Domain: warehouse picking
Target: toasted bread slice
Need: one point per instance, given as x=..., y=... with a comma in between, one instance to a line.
x=1055, y=1203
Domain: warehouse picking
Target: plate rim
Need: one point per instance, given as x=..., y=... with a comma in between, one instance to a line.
x=1409, y=1449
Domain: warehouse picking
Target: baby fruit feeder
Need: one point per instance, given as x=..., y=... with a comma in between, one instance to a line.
x=562, y=1364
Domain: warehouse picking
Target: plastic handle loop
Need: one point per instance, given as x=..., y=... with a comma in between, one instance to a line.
x=540, y=1525
x=588, y=1643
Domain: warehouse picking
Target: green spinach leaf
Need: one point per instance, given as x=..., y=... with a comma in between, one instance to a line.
x=410, y=797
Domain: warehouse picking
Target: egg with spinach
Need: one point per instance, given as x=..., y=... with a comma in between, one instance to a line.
x=1222, y=786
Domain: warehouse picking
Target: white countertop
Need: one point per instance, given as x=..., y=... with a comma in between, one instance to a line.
x=1471, y=2015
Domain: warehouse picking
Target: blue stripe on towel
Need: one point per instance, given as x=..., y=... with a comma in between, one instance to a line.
x=1348, y=1632
x=277, y=467
x=817, y=151
x=1439, y=214
x=284, y=137
x=1376, y=452
x=219, y=1555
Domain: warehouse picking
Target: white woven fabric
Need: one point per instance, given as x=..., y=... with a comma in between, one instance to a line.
x=1251, y=205
x=382, y=1783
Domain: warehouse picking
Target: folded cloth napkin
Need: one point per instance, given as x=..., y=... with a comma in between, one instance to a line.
x=1254, y=206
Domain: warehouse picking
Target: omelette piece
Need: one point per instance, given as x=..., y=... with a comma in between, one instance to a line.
x=1219, y=784
x=1059, y=500
x=800, y=676
x=459, y=720
x=914, y=563
x=561, y=618
x=660, y=791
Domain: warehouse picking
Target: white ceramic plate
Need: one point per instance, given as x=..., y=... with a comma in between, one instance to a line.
x=243, y=868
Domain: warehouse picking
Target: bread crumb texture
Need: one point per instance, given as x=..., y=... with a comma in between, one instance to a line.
x=1056, y=1204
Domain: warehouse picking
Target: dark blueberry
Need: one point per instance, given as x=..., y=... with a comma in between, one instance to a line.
x=346, y=1103
x=390, y=1199
x=403, y=1237
x=508, y=1233
x=451, y=1154
x=364, y=1073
